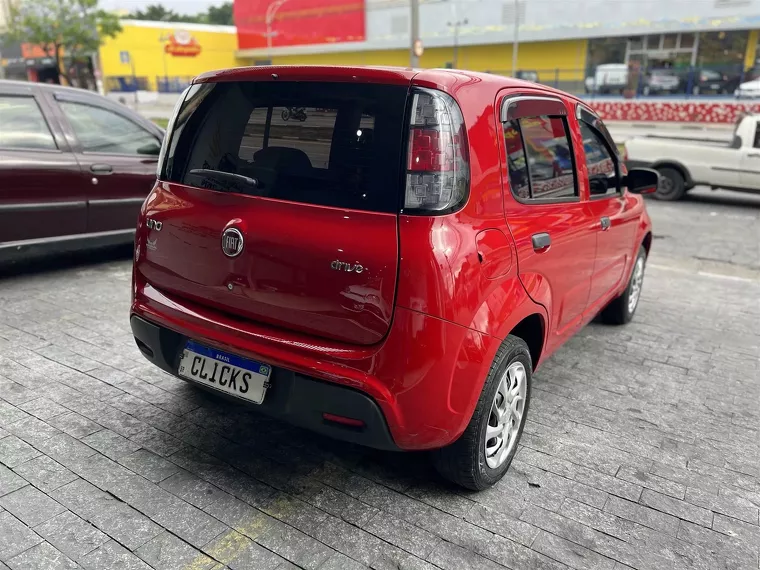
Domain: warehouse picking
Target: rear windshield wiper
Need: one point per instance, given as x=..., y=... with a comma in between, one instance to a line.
x=220, y=176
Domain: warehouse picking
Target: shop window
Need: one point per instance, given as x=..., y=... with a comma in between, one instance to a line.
x=722, y=48
x=669, y=41
x=686, y=41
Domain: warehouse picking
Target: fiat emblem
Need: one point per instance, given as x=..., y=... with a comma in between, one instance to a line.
x=232, y=242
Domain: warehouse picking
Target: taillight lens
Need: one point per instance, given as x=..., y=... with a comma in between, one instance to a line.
x=437, y=171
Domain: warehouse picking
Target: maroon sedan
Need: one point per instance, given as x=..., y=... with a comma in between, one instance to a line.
x=74, y=169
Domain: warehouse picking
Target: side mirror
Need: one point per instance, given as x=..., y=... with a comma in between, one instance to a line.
x=152, y=149
x=736, y=142
x=642, y=180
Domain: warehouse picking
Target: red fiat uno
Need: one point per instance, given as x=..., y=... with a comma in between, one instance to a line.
x=382, y=255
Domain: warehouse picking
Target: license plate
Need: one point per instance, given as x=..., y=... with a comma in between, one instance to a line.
x=240, y=377
x=715, y=86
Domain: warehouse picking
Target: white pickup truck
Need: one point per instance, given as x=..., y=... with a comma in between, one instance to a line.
x=686, y=163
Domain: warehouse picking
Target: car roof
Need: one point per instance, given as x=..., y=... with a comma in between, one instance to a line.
x=31, y=86
x=401, y=75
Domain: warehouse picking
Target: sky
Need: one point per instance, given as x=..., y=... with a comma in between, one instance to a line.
x=181, y=6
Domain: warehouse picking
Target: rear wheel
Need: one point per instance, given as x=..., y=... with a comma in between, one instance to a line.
x=672, y=185
x=483, y=453
x=621, y=310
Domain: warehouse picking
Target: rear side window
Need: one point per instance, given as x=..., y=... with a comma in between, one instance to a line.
x=602, y=172
x=332, y=144
x=540, y=159
x=100, y=130
x=22, y=125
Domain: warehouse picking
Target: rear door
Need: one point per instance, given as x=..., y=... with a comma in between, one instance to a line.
x=547, y=216
x=41, y=196
x=611, y=211
x=118, y=155
x=312, y=244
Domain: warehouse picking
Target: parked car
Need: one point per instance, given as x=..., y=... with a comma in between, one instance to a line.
x=661, y=81
x=74, y=169
x=608, y=78
x=393, y=295
x=684, y=164
x=709, y=81
x=748, y=89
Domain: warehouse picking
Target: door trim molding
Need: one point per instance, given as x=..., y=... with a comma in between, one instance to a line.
x=39, y=206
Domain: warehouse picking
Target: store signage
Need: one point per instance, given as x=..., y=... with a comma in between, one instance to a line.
x=182, y=44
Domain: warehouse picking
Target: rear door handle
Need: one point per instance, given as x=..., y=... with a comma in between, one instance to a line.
x=754, y=155
x=605, y=223
x=541, y=242
x=101, y=169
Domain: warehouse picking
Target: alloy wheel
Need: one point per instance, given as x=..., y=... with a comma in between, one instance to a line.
x=506, y=415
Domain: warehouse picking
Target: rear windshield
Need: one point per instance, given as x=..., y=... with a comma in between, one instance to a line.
x=332, y=144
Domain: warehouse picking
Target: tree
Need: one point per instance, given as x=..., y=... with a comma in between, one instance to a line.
x=73, y=27
x=157, y=13
x=221, y=15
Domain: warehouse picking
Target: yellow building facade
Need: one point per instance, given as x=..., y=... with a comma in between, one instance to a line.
x=155, y=51
x=564, y=59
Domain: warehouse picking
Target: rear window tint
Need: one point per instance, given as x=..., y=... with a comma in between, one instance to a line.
x=332, y=144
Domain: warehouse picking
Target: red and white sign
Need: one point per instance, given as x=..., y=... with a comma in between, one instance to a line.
x=713, y=112
x=182, y=44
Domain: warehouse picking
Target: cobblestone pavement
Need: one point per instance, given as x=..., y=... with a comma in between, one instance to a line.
x=641, y=450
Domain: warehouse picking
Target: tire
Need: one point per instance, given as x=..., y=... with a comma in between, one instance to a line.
x=466, y=462
x=672, y=185
x=285, y=114
x=621, y=310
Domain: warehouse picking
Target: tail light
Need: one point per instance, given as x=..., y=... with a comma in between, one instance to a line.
x=438, y=170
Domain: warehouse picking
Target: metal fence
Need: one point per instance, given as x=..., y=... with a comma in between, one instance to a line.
x=639, y=82
x=175, y=84
x=611, y=80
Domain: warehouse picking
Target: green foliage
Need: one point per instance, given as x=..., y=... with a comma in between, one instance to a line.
x=220, y=15
x=73, y=27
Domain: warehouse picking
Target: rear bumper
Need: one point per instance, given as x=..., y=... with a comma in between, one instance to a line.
x=293, y=397
x=415, y=390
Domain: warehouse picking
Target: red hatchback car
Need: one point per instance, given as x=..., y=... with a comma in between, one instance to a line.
x=384, y=255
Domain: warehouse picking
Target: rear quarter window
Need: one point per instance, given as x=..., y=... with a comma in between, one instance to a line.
x=332, y=144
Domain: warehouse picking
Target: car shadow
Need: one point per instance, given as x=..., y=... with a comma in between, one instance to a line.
x=72, y=260
x=723, y=198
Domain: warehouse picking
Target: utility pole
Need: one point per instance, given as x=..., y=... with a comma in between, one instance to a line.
x=515, y=39
x=456, y=25
x=414, y=34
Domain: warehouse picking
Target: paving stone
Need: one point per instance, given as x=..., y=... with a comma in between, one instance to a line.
x=42, y=557
x=340, y=561
x=192, y=489
x=71, y=535
x=43, y=408
x=15, y=536
x=33, y=430
x=75, y=424
x=676, y=508
x=167, y=552
x=650, y=481
x=45, y=473
x=10, y=414
x=570, y=553
x=239, y=552
x=13, y=451
x=402, y=534
x=502, y=524
x=634, y=432
x=65, y=449
x=9, y=481
x=190, y=524
x=645, y=516
x=110, y=444
x=112, y=556
x=30, y=505
x=452, y=557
